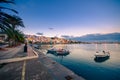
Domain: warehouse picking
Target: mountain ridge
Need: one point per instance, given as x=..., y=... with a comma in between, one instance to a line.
x=110, y=37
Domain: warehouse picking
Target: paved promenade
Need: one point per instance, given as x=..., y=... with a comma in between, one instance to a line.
x=22, y=66
x=12, y=52
x=17, y=54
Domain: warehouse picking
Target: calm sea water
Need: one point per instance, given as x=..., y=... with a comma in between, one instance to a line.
x=81, y=60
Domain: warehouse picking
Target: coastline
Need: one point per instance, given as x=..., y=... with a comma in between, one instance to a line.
x=38, y=43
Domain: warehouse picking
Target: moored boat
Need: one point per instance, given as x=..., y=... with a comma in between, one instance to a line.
x=58, y=51
x=102, y=54
x=62, y=51
x=53, y=50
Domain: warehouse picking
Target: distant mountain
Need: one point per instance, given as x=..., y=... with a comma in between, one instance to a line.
x=111, y=37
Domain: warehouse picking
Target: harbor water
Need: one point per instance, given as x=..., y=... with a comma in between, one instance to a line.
x=81, y=60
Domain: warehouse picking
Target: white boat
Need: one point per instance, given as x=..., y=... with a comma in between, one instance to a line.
x=102, y=54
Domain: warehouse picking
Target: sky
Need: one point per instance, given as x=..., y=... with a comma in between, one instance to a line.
x=69, y=17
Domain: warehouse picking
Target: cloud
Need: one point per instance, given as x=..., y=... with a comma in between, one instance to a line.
x=39, y=33
x=66, y=36
x=50, y=28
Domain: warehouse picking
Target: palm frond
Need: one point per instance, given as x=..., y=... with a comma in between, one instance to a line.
x=9, y=9
x=7, y=1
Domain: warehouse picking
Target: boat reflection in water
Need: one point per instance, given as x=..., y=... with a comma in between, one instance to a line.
x=60, y=53
x=101, y=56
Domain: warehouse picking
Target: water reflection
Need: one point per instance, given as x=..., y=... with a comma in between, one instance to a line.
x=61, y=56
x=101, y=59
x=82, y=60
x=57, y=54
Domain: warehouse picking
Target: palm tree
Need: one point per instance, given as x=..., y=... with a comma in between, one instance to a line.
x=3, y=15
x=7, y=1
x=15, y=22
x=9, y=23
x=19, y=36
x=4, y=22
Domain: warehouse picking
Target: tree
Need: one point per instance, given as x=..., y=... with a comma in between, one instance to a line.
x=10, y=23
x=3, y=15
x=15, y=22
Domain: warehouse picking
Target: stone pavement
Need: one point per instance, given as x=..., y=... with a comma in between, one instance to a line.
x=33, y=70
x=17, y=54
x=11, y=71
x=36, y=71
x=23, y=68
x=12, y=52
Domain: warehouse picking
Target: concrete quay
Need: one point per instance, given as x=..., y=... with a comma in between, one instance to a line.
x=56, y=70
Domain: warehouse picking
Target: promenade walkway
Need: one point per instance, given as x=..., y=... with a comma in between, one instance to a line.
x=17, y=54
x=22, y=66
x=12, y=52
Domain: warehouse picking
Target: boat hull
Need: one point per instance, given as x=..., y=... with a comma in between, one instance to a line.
x=101, y=59
x=58, y=52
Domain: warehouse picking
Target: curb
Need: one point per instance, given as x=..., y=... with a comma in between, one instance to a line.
x=19, y=59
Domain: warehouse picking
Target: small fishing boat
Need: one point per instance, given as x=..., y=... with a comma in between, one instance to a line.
x=62, y=51
x=58, y=51
x=53, y=50
x=102, y=54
